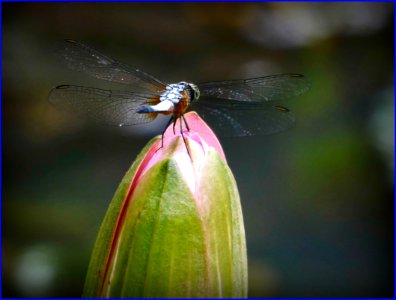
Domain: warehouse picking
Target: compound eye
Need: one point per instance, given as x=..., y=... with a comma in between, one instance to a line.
x=195, y=90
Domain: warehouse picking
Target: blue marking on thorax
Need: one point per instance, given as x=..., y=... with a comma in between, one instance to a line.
x=173, y=93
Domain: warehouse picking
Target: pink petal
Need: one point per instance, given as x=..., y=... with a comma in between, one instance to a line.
x=198, y=130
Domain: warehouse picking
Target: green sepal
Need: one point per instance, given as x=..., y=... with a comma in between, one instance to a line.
x=102, y=245
x=223, y=220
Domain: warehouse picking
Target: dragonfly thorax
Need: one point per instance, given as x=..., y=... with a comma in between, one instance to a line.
x=174, y=92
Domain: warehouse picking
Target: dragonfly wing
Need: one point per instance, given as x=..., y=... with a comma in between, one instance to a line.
x=83, y=58
x=103, y=106
x=265, y=88
x=245, y=119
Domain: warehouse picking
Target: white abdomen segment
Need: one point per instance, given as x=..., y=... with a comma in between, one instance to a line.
x=165, y=105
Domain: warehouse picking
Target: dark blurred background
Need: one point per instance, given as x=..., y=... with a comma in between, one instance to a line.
x=317, y=199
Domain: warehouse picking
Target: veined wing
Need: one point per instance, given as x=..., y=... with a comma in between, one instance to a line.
x=236, y=118
x=83, y=58
x=267, y=88
x=103, y=106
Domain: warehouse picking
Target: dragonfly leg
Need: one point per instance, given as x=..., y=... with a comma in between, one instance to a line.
x=174, y=124
x=163, y=132
x=185, y=122
x=174, y=120
x=182, y=134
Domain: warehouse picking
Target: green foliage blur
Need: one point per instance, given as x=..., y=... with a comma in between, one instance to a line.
x=317, y=199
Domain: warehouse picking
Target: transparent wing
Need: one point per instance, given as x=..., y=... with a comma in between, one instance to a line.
x=266, y=88
x=244, y=119
x=103, y=106
x=83, y=58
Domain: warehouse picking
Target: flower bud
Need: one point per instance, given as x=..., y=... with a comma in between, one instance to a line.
x=174, y=227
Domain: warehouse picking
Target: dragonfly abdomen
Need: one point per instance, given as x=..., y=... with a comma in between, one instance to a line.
x=164, y=107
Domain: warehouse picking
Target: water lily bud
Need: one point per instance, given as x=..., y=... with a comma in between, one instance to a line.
x=174, y=227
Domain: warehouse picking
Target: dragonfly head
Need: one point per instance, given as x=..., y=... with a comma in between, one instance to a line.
x=193, y=89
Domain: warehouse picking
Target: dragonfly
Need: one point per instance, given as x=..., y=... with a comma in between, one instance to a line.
x=244, y=107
